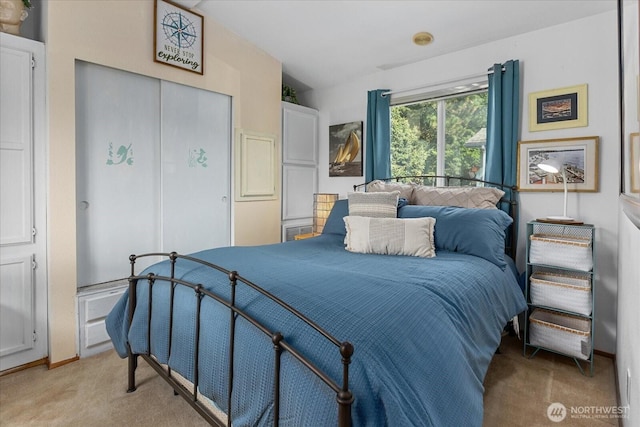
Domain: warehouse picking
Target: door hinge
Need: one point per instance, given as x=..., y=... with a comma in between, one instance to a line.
x=34, y=264
x=35, y=336
x=33, y=62
x=34, y=231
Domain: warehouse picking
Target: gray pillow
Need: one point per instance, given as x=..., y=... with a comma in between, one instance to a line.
x=462, y=197
x=406, y=190
x=374, y=205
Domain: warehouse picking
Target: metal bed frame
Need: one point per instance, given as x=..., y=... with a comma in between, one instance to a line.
x=344, y=396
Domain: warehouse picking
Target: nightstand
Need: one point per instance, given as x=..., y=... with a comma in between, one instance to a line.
x=305, y=236
x=559, y=290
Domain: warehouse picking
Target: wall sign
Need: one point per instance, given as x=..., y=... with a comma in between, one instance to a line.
x=178, y=37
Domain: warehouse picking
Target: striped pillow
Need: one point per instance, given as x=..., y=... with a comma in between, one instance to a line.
x=374, y=205
x=390, y=236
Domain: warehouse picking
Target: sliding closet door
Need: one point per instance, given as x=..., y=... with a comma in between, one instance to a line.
x=117, y=170
x=196, y=135
x=153, y=170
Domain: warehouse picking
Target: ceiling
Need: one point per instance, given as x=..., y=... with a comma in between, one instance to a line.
x=324, y=43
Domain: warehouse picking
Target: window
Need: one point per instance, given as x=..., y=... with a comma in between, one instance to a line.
x=444, y=136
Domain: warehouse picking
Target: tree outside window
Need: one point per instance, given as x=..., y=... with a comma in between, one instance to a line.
x=417, y=147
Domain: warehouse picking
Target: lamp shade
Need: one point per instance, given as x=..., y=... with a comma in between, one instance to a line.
x=322, y=205
x=554, y=166
x=551, y=166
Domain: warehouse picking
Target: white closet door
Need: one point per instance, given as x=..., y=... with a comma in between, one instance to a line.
x=118, y=178
x=196, y=135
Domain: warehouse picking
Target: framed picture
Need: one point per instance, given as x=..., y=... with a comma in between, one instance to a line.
x=579, y=157
x=345, y=149
x=634, y=147
x=178, y=37
x=558, y=108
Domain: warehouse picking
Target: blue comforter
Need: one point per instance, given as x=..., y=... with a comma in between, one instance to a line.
x=424, y=331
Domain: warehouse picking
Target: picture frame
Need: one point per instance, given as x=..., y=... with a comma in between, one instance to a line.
x=579, y=155
x=178, y=37
x=558, y=108
x=345, y=149
x=634, y=157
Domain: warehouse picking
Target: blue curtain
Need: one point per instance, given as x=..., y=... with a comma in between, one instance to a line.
x=378, y=136
x=503, y=126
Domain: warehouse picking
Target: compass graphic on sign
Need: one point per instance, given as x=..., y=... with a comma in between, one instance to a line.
x=178, y=36
x=179, y=30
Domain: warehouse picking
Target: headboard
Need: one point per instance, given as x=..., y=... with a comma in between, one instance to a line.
x=508, y=203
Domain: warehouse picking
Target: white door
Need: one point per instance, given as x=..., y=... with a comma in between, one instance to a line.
x=118, y=178
x=23, y=266
x=196, y=135
x=152, y=165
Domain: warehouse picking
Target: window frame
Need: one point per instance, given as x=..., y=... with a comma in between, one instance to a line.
x=441, y=96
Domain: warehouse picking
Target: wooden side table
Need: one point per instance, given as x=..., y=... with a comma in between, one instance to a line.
x=305, y=236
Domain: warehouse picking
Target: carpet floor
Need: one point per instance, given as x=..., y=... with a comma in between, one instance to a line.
x=92, y=392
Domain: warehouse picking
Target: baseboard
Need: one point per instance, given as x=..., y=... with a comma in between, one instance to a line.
x=611, y=356
x=615, y=376
x=63, y=362
x=617, y=384
x=43, y=361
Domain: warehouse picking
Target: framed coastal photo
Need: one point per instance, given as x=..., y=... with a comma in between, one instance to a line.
x=345, y=149
x=178, y=37
x=558, y=108
x=579, y=157
x=634, y=147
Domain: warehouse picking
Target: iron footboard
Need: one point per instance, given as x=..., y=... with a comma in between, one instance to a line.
x=344, y=396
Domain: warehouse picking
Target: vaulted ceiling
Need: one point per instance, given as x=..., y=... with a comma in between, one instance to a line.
x=324, y=43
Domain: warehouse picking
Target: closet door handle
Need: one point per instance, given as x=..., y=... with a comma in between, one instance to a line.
x=84, y=205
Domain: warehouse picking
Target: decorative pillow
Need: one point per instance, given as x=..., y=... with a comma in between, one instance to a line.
x=335, y=223
x=374, y=205
x=406, y=190
x=478, y=232
x=463, y=197
x=390, y=236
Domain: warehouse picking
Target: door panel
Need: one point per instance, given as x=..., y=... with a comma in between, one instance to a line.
x=196, y=130
x=16, y=221
x=117, y=157
x=16, y=297
x=301, y=182
x=23, y=263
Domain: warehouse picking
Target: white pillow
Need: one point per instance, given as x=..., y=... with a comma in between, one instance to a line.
x=463, y=197
x=390, y=236
x=375, y=205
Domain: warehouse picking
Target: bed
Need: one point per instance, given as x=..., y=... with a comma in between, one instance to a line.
x=331, y=336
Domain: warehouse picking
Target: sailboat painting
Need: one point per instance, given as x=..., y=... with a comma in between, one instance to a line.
x=345, y=149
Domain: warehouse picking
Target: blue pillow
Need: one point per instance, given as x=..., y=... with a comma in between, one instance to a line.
x=335, y=223
x=478, y=232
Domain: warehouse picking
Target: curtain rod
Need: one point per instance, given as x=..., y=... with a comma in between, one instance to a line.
x=411, y=89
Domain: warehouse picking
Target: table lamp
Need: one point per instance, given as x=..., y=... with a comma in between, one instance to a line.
x=322, y=205
x=554, y=166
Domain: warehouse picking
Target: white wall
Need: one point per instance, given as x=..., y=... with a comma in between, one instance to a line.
x=628, y=345
x=556, y=57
